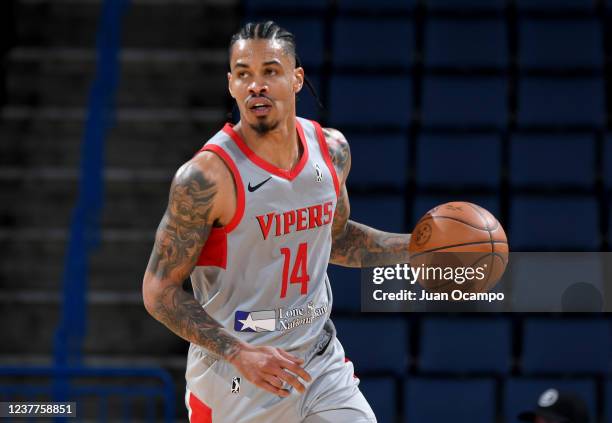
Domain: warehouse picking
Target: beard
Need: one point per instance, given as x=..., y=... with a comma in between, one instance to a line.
x=262, y=127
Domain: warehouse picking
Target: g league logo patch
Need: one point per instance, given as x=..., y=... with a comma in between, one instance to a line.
x=318, y=173
x=236, y=385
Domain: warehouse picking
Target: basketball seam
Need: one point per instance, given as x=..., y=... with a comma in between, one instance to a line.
x=485, y=229
x=490, y=238
x=458, y=245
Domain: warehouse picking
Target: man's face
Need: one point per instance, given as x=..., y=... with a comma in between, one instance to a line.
x=263, y=80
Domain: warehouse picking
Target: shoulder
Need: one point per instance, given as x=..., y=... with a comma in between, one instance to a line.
x=199, y=183
x=339, y=150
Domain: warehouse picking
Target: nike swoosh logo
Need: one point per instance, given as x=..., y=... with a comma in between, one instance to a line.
x=256, y=187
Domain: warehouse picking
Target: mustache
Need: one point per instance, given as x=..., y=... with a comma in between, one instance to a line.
x=253, y=96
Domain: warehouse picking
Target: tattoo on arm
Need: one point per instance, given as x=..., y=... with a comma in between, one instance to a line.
x=354, y=244
x=180, y=237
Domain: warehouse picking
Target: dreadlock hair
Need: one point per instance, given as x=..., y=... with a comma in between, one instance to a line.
x=270, y=30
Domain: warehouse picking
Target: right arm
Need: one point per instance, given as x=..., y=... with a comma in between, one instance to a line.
x=194, y=206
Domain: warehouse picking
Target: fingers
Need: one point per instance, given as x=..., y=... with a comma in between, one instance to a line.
x=291, y=380
x=264, y=384
x=291, y=357
x=274, y=381
x=297, y=370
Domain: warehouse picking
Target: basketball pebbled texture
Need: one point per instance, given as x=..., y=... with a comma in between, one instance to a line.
x=460, y=234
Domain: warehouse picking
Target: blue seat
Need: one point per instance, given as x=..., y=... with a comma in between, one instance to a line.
x=464, y=101
x=306, y=104
x=380, y=393
x=372, y=43
x=465, y=43
x=376, y=5
x=560, y=43
x=469, y=5
x=366, y=101
x=386, y=213
x=522, y=394
x=554, y=5
x=607, y=169
x=254, y=6
x=463, y=345
x=551, y=223
x=308, y=34
x=424, y=203
x=378, y=159
x=607, y=401
x=566, y=346
x=561, y=101
x=375, y=344
x=555, y=283
x=346, y=287
x=449, y=400
x=459, y=160
x=552, y=160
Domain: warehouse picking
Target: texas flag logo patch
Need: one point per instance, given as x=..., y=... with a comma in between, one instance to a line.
x=255, y=321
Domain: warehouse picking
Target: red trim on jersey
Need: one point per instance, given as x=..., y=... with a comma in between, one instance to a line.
x=258, y=161
x=326, y=156
x=214, y=251
x=346, y=360
x=237, y=179
x=200, y=412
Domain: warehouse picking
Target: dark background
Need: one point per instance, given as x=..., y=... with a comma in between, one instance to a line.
x=503, y=103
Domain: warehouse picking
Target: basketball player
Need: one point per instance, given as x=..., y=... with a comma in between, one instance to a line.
x=254, y=218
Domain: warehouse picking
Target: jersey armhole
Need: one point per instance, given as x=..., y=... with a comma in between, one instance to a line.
x=237, y=182
x=326, y=156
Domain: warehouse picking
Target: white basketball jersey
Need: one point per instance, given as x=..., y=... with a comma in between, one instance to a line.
x=263, y=276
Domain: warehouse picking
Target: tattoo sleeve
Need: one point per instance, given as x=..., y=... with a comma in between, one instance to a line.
x=354, y=244
x=179, y=239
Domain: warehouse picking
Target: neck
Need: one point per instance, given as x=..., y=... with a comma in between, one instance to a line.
x=280, y=147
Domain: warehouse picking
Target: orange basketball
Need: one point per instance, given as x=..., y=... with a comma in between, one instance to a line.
x=456, y=236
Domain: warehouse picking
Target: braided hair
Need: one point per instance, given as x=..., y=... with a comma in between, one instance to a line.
x=270, y=30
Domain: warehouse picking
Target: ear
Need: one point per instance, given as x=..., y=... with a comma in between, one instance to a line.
x=229, y=84
x=298, y=79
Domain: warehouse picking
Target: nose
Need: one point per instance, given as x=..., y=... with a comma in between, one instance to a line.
x=258, y=87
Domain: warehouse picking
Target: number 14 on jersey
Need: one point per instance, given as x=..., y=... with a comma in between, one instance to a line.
x=299, y=270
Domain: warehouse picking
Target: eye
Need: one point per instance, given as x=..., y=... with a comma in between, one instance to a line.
x=271, y=72
x=242, y=74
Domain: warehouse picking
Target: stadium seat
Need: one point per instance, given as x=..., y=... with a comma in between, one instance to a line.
x=380, y=393
x=361, y=100
x=561, y=101
x=376, y=5
x=346, y=287
x=607, y=164
x=465, y=43
x=522, y=394
x=560, y=43
x=423, y=203
x=551, y=223
x=386, y=213
x=458, y=160
x=554, y=282
x=308, y=34
x=566, y=346
x=372, y=43
x=608, y=401
x=449, y=400
x=255, y=6
x=552, y=160
x=464, y=101
x=469, y=5
x=306, y=104
x=378, y=159
x=375, y=344
x=555, y=5
x=463, y=345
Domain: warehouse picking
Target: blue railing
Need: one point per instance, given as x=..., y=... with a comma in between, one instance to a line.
x=83, y=239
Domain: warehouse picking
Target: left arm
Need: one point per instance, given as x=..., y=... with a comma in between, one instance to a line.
x=354, y=244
